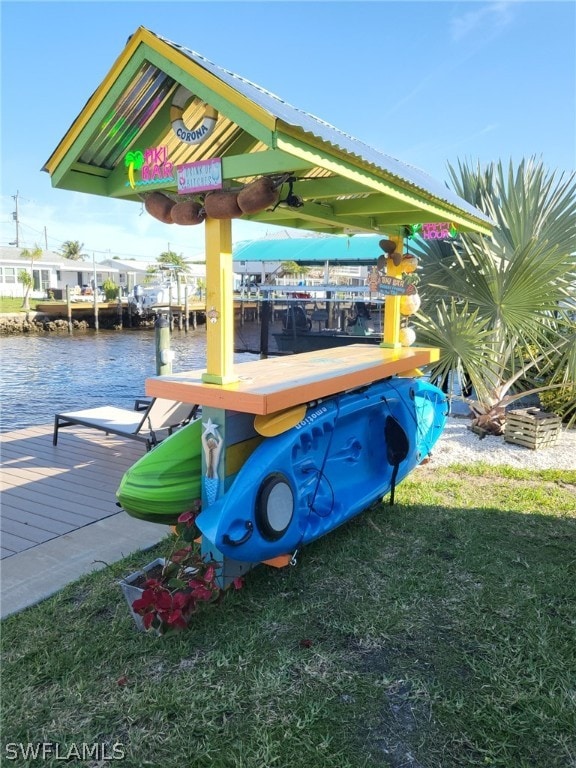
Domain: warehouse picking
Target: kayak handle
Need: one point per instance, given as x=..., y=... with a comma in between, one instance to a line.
x=232, y=543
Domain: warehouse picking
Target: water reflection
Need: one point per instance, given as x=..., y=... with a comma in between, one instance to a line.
x=42, y=375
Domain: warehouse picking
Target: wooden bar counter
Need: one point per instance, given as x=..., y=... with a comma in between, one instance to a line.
x=267, y=386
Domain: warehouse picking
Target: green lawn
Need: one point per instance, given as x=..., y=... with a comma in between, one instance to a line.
x=10, y=305
x=437, y=633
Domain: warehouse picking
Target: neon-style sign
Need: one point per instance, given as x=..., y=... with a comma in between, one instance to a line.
x=435, y=230
x=152, y=165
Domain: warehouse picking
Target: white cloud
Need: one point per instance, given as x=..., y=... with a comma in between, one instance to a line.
x=488, y=19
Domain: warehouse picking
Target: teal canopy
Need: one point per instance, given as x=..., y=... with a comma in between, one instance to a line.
x=307, y=251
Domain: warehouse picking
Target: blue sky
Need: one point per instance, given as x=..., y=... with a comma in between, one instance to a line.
x=429, y=83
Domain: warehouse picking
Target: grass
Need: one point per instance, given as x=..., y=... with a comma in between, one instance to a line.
x=433, y=634
x=13, y=305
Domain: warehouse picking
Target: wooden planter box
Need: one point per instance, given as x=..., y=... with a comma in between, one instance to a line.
x=532, y=428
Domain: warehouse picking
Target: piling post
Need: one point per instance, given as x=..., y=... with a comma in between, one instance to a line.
x=69, y=307
x=186, y=310
x=164, y=354
x=264, y=329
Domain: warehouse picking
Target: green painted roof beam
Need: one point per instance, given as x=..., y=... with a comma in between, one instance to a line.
x=372, y=205
x=316, y=212
x=84, y=182
x=327, y=187
x=262, y=163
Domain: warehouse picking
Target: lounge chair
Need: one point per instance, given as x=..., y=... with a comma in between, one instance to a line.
x=159, y=420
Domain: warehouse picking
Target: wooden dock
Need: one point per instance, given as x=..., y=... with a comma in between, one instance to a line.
x=48, y=491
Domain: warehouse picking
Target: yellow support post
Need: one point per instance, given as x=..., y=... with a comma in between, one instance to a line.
x=219, y=303
x=391, y=335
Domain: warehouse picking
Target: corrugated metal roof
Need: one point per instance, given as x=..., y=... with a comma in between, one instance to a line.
x=128, y=117
x=327, y=133
x=345, y=185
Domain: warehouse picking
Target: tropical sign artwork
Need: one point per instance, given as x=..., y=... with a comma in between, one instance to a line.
x=394, y=286
x=434, y=230
x=200, y=176
x=148, y=167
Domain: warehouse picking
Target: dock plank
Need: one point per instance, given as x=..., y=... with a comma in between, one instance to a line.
x=39, y=521
x=48, y=490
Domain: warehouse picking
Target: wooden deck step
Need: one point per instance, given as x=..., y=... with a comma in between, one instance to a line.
x=48, y=491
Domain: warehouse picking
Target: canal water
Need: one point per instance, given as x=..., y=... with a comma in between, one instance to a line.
x=45, y=374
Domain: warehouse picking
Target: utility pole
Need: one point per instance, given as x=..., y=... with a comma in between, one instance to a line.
x=16, y=219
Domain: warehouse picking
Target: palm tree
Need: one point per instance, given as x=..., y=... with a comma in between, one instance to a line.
x=175, y=264
x=72, y=250
x=496, y=306
x=292, y=268
x=27, y=277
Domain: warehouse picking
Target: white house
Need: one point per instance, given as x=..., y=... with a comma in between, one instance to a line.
x=131, y=273
x=51, y=272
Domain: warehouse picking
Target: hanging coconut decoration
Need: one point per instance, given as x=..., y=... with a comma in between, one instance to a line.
x=160, y=206
x=410, y=304
x=407, y=336
x=188, y=213
x=389, y=248
x=222, y=204
x=258, y=195
x=409, y=263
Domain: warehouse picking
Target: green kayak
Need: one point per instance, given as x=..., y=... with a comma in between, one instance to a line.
x=167, y=481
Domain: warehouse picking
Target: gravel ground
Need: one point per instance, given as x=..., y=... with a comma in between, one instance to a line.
x=458, y=445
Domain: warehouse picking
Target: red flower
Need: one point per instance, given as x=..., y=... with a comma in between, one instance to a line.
x=181, y=554
x=202, y=593
x=210, y=574
x=187, y=517
x=148, y=619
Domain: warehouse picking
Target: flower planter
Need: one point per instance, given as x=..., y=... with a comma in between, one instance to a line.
x=132, y=591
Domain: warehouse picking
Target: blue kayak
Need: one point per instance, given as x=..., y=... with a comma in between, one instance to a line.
x=347, y=453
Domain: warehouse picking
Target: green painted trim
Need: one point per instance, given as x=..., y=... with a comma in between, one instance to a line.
x=90, y=170
x=212, y=378
x=82, y=182
x=327, y=187
x=372, y=205
x=321, y=213
x=260, y=163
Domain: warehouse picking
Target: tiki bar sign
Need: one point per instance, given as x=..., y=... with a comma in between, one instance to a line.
x=148, y=167
x=394, y=286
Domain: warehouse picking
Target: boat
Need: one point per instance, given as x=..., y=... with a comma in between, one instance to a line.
x=167, y=481
x=297, y=334
x=347, y=452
